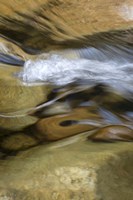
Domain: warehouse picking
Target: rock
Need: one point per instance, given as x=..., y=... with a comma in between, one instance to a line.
x=17, y=123
x=14, y=96
x=69, y=169
x=60, y=21
x=113, y=133
x=58, y=127
x=18, y=141
x=16, y=99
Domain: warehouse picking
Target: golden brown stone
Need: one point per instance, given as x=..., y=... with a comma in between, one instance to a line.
x=112, y=133
x=56, y=21
x=61, y=126
x=93, y=17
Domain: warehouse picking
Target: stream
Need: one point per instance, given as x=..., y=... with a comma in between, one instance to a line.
x=86, y=88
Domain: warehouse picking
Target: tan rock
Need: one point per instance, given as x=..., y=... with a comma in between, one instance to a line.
x=70, y=169
x=15, y=96
x=16, y=123
x=16, y=99
x=94, y=17
x=18, y=141
x=57, y=21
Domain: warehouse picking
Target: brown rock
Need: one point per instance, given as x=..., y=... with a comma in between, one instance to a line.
x=61, y=126
x=113, y=133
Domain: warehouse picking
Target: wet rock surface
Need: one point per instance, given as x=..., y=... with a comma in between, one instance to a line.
x=70, y=169
x=16, y=97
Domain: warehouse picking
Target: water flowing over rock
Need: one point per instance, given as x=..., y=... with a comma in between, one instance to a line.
x=66, y=100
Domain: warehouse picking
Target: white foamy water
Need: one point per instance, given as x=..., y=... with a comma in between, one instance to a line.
x=60, y=71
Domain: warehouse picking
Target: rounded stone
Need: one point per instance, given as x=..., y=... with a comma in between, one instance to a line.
x=18, y=141
x=17, y=123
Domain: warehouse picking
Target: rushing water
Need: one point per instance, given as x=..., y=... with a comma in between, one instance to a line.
x=61, y=71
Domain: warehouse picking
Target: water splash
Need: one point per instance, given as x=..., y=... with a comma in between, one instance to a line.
x=58, y=70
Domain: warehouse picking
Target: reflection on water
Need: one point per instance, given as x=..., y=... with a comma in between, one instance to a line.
x=62, y=93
